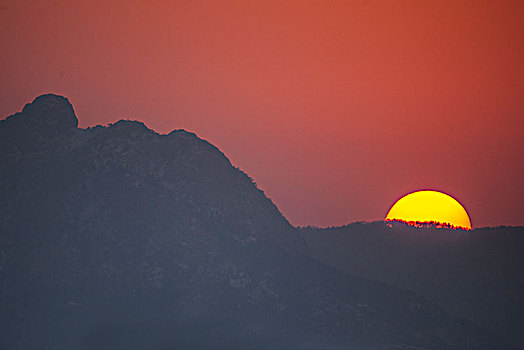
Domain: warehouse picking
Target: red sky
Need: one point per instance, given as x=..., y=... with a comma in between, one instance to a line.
x=335, y=108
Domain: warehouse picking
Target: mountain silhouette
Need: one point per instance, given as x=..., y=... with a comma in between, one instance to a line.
x=118, y=237
x=476, y=275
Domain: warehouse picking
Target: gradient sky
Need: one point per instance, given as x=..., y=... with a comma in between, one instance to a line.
x=335, y=108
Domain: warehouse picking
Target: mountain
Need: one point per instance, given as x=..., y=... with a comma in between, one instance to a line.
x=472, y=274
x=120, y=238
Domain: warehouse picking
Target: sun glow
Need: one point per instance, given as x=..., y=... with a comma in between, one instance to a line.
x=430, y=207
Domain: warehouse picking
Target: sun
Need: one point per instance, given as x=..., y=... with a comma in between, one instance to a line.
x=423, y=207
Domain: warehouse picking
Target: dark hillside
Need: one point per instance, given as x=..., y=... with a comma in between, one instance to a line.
x=120, y=238
x=475, y=274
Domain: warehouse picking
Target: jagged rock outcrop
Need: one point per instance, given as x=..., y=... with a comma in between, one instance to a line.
x=46, y=114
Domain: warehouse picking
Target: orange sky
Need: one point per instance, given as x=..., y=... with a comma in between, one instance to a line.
x=335, y=108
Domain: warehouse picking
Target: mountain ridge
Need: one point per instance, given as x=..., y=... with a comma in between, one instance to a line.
x=476, y=274
x=118, y=237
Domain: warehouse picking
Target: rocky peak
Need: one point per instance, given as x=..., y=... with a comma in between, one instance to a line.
x=46, y=115
x=51, y=111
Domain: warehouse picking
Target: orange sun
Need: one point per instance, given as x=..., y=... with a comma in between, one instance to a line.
x=423, y=207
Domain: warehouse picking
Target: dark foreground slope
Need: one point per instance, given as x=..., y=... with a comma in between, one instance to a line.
x=120, y=238
x=476, y=274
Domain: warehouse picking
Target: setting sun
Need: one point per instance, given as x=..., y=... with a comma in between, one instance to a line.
x=424, y=207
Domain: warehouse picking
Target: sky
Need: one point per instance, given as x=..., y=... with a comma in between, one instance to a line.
x=335, y=108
